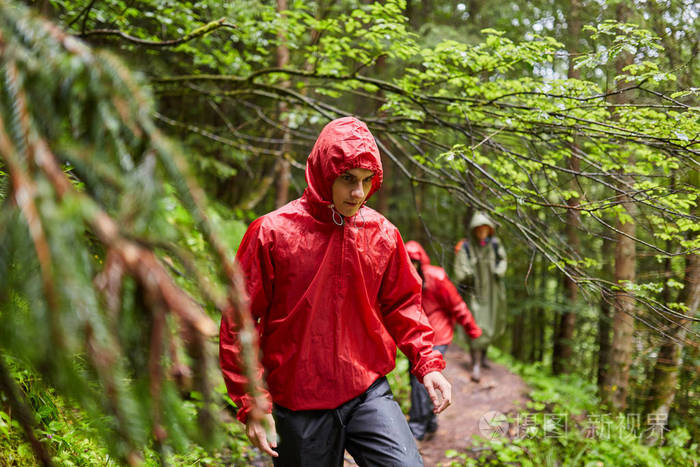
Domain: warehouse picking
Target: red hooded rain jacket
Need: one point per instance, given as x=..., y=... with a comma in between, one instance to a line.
x=441, y=301
x=331, y=303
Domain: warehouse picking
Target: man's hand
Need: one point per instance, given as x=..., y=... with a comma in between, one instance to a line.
x=434, y=382
x=258, y=435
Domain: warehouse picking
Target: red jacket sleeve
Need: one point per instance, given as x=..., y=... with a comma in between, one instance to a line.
x=256, y=265
x=404, y=318
x=458, y=309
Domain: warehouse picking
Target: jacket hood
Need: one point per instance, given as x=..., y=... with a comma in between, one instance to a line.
x=480, y=218
x=417, y=253
x=345, y=143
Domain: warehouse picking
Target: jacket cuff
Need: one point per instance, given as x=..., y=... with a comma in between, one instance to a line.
x=434, y=364
x=473, y=331
x=242, y=414
x=245, y=405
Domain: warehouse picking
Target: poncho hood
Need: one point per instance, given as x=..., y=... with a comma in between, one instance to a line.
x=480, y=218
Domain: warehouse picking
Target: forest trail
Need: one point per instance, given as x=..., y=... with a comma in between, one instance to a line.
x=498, y=391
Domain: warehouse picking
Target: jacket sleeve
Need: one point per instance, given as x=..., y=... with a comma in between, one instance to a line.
x=500, y=261
x=459, y=310
x=463, y=268
x=404, y=318
x=254, y=260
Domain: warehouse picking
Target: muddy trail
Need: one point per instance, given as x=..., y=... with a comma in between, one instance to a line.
x=473, y=406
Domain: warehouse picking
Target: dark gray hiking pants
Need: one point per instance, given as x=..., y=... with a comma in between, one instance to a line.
x=371, y=427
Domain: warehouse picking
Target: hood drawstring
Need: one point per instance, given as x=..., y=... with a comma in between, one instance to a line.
x=354, y=220
x=341, y=222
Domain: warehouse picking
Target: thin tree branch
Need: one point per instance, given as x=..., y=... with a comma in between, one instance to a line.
x=206, y=29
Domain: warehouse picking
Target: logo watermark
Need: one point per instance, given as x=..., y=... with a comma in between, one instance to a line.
x=494, y=424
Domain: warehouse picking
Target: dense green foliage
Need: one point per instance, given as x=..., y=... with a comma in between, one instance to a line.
x=73, y=436
x=101, y=204
x=474, y=107
x=563, y=425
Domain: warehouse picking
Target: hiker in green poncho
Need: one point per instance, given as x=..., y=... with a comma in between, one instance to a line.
x=479, y=270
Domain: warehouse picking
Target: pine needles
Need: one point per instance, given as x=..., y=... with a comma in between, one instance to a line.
x=87, y=295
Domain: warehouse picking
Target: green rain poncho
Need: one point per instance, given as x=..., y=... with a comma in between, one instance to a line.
x=479, y=270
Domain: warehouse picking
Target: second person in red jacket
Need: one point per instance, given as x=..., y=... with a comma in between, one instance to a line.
x=444, y=307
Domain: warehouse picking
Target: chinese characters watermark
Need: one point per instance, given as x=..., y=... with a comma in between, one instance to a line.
x=495, y=424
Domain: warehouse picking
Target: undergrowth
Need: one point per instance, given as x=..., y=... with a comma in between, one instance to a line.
x=563, y=425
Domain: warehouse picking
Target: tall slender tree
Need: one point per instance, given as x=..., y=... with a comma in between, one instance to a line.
x=563, y=344
x=616, y=384
x=283, y=166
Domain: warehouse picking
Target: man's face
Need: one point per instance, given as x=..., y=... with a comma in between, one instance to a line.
x=350, y=190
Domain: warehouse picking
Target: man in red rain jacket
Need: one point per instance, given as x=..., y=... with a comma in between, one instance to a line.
x=333, y=292
x=444, y=307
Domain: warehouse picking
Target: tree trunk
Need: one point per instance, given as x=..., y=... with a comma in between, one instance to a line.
x=516, y=345
x=564, y=333
x=540, y=318
x=604, y=318
x=417, y=224
x=668, y=361
x=518, y=327
x=563, y=342
x=623, y=321
x=283, y=177
x=474, y=8
x=384, y=194
x=616, y=384
x=283, y=166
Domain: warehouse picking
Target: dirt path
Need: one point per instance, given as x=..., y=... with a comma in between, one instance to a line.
x=499, y=390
